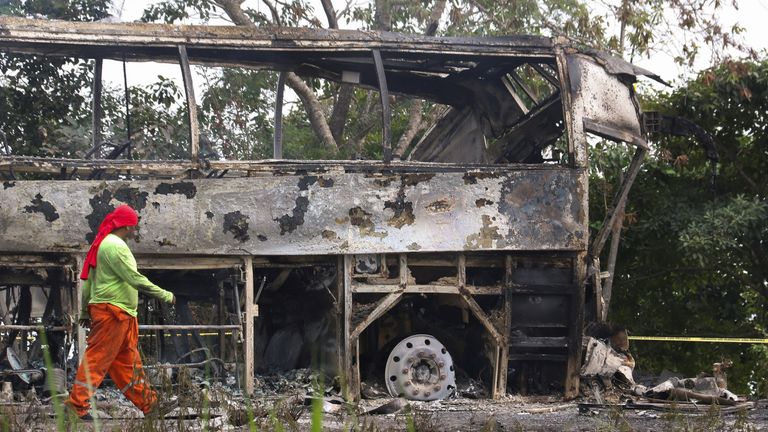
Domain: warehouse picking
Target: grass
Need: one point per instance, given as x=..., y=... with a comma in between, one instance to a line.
x=284, y=415
x=617, y=421
x=317, y=405
x=8, y=420
x=52, y=387
x=742, y=423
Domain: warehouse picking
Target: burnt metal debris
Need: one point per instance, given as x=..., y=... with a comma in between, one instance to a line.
x=479, y=237
x=608, y=382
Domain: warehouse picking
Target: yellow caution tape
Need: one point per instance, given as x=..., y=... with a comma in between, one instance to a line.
x=699, y=339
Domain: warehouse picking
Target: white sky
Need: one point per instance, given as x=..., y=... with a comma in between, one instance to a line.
x=752, y=15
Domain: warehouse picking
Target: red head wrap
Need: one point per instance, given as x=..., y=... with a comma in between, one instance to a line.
x=122, y=216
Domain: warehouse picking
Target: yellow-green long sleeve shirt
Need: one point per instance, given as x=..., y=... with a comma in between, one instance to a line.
x=116, y=280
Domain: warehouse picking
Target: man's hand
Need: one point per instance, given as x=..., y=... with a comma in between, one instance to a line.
x=173, y=299
x=84, y=323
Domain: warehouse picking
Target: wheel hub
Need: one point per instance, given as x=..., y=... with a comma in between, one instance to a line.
x=420, y=368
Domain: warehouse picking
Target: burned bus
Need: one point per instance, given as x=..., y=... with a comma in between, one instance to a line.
x=471, y=256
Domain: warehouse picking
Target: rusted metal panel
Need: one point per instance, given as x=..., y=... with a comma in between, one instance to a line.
x=220, y=44
x=308, y=214
x=607, y=104
x=177, y=168
x=618, y=66
x=21, y=164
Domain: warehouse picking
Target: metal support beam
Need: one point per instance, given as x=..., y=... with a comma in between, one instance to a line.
x=384, y=305
x=619, y=202
x=350, y=347
x=386, y=110
x=481, y=316
x=577, y=157
x=97, y=111
x=597, y=285
x=341, y=328
x=528, y=92
x=513, y=92
x=248, y=336
x=277, y=148
x=221, y=312
x=39, y=328
x=189, y=326
x=189, y=89
x=501, y=385
x=128, y=130
x=549, y=75
x=613, y=251
x=426, y=289
x=79, y=260
x=575, y=328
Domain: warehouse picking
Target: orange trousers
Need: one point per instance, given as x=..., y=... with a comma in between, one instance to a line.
x=112, y=348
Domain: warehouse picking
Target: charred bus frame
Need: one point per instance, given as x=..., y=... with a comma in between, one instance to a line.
x=476, y=196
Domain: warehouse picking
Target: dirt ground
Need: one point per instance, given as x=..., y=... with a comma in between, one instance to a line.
x=283, y=402
x=290, y=413
x=549, y=414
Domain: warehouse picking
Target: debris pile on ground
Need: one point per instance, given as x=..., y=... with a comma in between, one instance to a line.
x=608, y=381
x=286, y=383
x=471, y=388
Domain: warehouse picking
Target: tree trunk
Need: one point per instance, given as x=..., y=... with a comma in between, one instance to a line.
x=341, y=111
x=383, y=15
x=314, y=110
x=330, y=13
x=414, y=113
x=308, y=98
x=413, y=127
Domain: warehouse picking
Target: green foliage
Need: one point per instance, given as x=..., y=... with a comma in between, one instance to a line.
x=539, y=17
x=317, y=414
x=71, y=10
x=693, y=260
x=58, y=406
x=51, y=88
x=636, y=28
x=724, y=231
x=236, y=116
x=410, y=424
x=176, y=10
x=42, y=101
x=237, y=109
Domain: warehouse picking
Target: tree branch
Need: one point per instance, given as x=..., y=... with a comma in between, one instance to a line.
x=344, y=96
x=413, y=127
x=434, y=18
x=273, y=11
x=664, y=272
x=330, y=13
x=341, y=111
x=235, y=12
x=314, y=110
x=308, y=98
x=414, y=112
x=752, y=184
x=383, y=15
x=370, y=115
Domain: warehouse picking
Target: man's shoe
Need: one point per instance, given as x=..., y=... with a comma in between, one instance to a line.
x=86, y=417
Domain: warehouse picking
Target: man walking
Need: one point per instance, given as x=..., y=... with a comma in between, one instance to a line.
x=110, y=297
